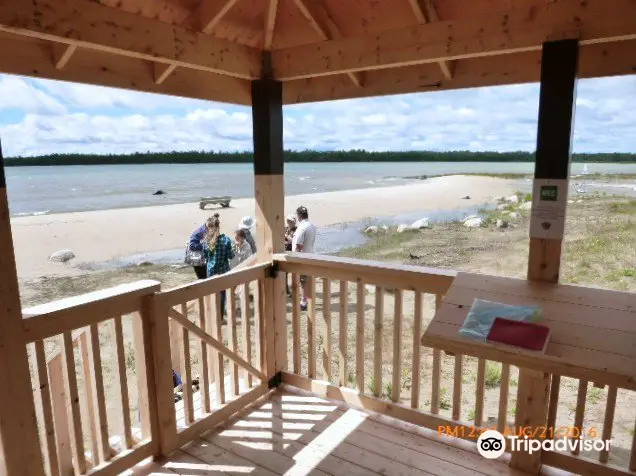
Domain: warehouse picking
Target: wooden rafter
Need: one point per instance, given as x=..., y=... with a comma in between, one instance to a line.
x=515, y=31
x=33, y=58
x=210, y=13
x=62, y=54
x=270, y=23
x=97, y=27
x=602, y=59
x=162, y=71
x=425, y=12
x=318, y=16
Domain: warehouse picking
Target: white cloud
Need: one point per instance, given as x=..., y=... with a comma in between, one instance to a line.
x=63, y=117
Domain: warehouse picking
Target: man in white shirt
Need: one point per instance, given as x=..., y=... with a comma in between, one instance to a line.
x=303, y=242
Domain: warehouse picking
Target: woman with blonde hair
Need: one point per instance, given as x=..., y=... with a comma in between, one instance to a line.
x=218, y=251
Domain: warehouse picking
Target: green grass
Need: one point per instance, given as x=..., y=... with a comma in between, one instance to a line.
x=493, y=375
x=628, y=207
x=594, y=395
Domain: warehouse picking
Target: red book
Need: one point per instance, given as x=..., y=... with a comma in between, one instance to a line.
x=526, y=335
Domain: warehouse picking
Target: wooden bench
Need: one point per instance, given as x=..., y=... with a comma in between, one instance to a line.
x=223, y=201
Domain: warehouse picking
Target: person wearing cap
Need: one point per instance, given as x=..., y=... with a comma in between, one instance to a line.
x=290, y=229
x=246, y=223
x=303, y=242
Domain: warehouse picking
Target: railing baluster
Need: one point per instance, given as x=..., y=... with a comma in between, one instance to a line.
x=123, y=381
x=553, y=404
x=204, y=379
x=175, y=344
x=580, y=411
x=296, y=322
x=326, y=316
x=360, y=337
x=95, y=376
x=72, y=402
x=342, y=330
x=479, y=402
x=610, y=406
x=60, y=417
x=502, y=418
x=247, y=332
x=435, y=380
x=632, y=456
x=436, y=373
x=233, y=342
x=311, y=328
x=377, y=356
x=89, y=395
x=217, y=332
x=210, y=318
x=259, y=336
x=417, y=334
x=47, y=413
x=397, y=347
x=457, y=387
x=186, y=377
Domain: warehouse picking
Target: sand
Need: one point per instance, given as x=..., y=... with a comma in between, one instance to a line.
x=100, y=236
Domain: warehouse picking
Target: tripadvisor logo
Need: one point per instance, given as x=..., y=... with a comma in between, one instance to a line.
x=491, y=444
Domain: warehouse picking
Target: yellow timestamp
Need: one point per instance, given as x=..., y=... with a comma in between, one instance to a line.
x=532, y=432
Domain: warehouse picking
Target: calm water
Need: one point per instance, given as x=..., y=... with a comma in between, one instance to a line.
x=42, y=190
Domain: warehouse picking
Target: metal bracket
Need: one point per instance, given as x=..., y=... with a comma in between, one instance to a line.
x=272, y=270
x=276, y=380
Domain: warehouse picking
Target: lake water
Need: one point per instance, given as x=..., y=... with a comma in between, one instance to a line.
x=43, y=190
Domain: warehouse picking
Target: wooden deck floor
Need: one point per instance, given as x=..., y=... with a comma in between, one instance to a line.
x=298, y=434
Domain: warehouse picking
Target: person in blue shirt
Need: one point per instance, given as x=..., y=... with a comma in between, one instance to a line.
x=218, y=251
x=196, y=241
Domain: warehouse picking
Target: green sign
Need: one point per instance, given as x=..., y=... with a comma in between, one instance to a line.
x=549, y=193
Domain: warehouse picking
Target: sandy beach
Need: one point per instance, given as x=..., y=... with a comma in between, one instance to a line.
x=99, y=236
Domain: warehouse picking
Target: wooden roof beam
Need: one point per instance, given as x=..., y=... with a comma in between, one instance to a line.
x=96, y=27
x=270, y=24
x=32, y=58
x=318, y=16
x=600, y=59
x=211, y=12
x=62, y=54
x=161, y=71
x=517, y=30
x=425, y=11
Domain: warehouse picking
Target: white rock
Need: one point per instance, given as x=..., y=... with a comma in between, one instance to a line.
x=502, y=206
x=579, y=201
x=502, y=224
x=371, y=230
x=62, y=256
x=525, y=206
x=498, y=199
x=512, y=199
x=403, y=228
x=419, y=224
x=384, y=229
x=473, y=222
x=514, y=215
x=570, y=201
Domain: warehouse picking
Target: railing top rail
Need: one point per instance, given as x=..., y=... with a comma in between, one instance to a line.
x=46, y=320
x=417, y=278
x=205, y=287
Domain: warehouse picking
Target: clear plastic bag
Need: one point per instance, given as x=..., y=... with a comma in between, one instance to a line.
x=482, y=314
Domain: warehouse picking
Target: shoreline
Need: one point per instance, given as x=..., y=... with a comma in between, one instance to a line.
x=105, y=235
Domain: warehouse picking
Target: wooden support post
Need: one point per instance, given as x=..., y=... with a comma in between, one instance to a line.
x=559, y=67
x=267, y=120
x=19, y=441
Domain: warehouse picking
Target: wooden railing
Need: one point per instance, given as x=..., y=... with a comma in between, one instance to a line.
x=220, y=356
x=370, y=356
x=77, y=428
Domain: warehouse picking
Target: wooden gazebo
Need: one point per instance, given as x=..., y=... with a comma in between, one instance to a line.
x=267, y=53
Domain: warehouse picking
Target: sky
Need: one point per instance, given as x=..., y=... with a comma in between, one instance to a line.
x=43, y=116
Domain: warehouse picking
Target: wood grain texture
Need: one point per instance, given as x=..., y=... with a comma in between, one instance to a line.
x=360, y=341
x=377, y=341
x=342, y=331
x=397, y=346
x=73, y=403
x=120, y=352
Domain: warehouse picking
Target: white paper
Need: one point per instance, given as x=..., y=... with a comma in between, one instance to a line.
x=549, y=199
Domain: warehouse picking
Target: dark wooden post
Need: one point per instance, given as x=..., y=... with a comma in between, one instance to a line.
x=20, y=452
x=269, y=190
x=559, y=65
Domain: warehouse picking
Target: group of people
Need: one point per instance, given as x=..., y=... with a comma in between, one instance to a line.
x=212, y=253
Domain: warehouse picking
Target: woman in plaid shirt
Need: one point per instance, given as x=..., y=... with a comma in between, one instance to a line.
x=218, y=252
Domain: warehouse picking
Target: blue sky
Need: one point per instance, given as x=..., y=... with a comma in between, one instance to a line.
x=41, y=116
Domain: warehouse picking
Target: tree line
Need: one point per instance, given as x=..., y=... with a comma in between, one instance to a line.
x=201, y=157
